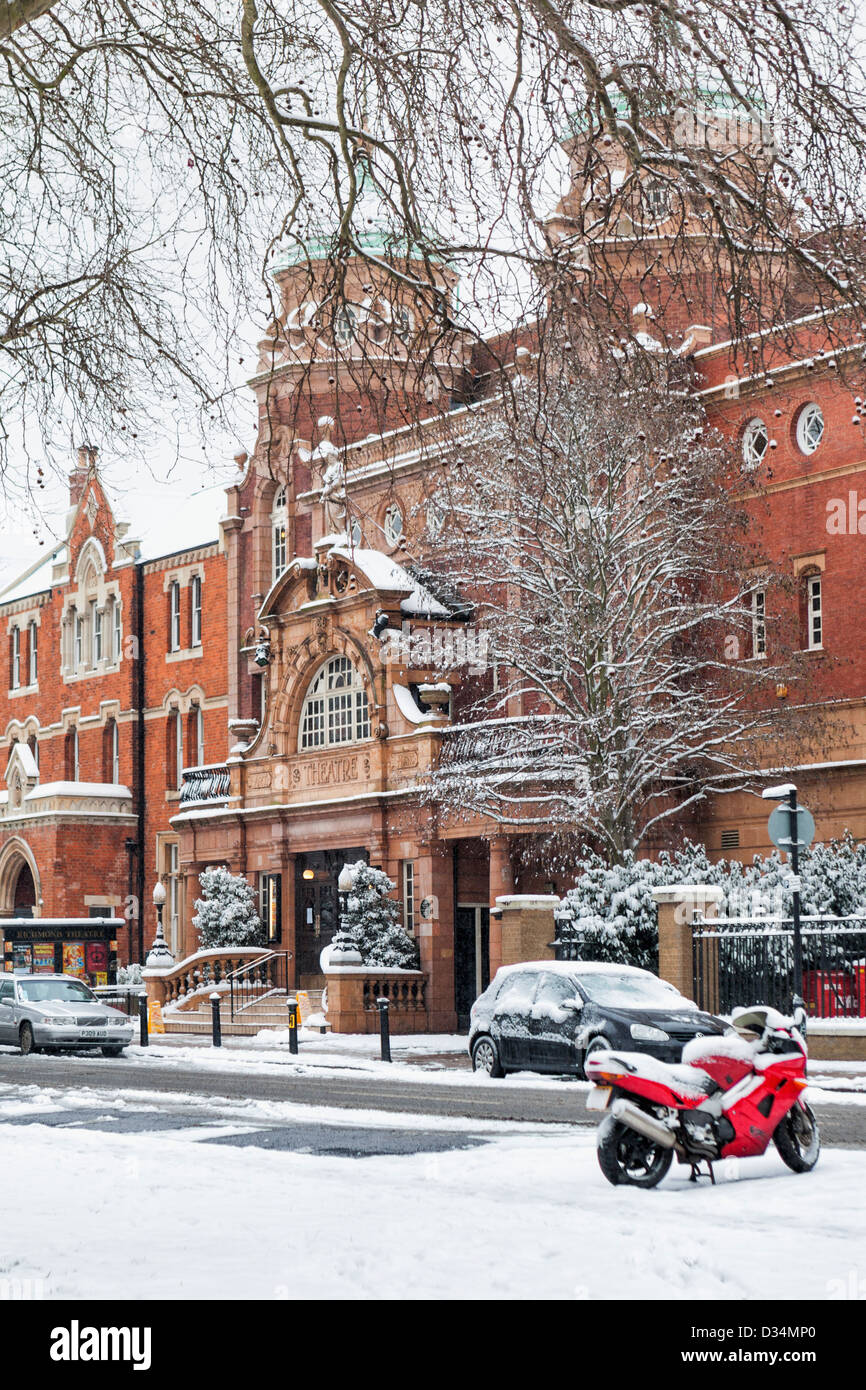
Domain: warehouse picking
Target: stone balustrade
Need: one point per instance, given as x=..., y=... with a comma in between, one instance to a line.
x=205, y=970
x=353, y=992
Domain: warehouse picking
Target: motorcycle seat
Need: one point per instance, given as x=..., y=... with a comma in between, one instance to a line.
x=687, y=1082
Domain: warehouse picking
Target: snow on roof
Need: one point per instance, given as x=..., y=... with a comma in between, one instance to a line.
x=174, y=524
x=385, y=573
x=36, y=579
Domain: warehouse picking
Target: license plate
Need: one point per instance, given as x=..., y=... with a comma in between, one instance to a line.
x=599, y=1098
x=91, y=1033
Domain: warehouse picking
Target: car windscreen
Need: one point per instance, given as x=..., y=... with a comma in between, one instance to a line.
x=630, y=991
x=73, y=991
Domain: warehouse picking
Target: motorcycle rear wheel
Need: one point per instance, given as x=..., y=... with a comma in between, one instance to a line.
x=626, y=1157
x=797, y=1138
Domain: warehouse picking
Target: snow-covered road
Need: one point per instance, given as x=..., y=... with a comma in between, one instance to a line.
x=199, y=1212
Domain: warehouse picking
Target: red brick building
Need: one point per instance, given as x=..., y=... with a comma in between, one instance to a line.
x=248, y=658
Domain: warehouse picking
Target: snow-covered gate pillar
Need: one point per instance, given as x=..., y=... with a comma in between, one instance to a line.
x=528, y=928
x=676, y=909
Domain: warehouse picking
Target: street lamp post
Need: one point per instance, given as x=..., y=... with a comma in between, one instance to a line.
x=159, y=957
x=344, y=953
x=791, y=843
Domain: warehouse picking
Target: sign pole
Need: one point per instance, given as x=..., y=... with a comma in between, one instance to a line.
x=795, y=865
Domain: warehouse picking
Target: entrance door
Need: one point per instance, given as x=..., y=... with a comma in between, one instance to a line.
x=471, y=958
x=317, y=903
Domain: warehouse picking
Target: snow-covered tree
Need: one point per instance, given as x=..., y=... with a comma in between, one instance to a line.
x=135, y=132
x=226, y=915
x=371, y=924
x=610, y=914
x=594, y=521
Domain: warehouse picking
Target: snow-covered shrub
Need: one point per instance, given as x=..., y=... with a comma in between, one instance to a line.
x=370, y=922
x=129, y=974
x=609, y=914
x=226, y=915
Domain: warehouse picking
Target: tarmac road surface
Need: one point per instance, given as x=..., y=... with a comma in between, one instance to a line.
x=842, y=1125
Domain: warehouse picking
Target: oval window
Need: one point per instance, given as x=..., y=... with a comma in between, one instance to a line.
x=810, y=428
x=756, y=441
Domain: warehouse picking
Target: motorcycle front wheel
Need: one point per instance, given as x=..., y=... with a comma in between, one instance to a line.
x=624, y=1156
x=797, y=1139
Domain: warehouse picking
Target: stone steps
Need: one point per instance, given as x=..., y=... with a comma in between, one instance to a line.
x=271, y=1012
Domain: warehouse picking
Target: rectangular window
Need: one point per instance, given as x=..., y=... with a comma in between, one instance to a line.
x=78, y=642
x=16, y=658
x=115, y=651
x=33, y=652
x=115, y=753
x=173, y=896
x=195, y=599
x=96, y=633
x=409, y=896
x=178, y=748
x=174, y=619
x=279, y=549
x=814, y=613
x=270, y=905
x=759, y=622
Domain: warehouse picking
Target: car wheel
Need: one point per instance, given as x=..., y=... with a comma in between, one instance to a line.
x=26, y=1040
x=624, y=1156
x=485, y=1056
x=113, y=1051
x=797, y=1139
x=599, y=1044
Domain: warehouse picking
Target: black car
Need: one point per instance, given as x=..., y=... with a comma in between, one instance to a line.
x=549, y=1016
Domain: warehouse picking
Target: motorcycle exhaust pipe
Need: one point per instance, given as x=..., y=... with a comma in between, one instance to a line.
x=645, y=1124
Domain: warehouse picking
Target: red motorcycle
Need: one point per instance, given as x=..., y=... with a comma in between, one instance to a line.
x=728, y=1098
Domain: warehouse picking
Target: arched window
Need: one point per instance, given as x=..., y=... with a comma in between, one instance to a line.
x=335, y=709
x=174, y=750
x=279, y=517
x=393, y=525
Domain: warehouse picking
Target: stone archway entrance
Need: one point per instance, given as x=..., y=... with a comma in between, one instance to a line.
x=24, y=900
x=19, y=881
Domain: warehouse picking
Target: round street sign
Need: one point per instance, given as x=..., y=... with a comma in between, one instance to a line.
x=779, y=826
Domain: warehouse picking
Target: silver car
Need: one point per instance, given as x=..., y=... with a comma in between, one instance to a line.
x=55, y=1011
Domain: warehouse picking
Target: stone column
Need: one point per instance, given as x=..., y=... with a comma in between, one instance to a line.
x=676, y=907
x=501, y=883
x=527, y=927
x=191, y=891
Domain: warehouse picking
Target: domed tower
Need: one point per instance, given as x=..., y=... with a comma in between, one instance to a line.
x=363, y=336
x=641, y=235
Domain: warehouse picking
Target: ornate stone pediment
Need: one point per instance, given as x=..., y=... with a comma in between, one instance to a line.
x=22, y=775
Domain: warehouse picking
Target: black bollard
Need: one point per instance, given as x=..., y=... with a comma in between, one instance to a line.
x=293, y=1024
x=216, y=1020
x=384, y=1029
x=142, y=1019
